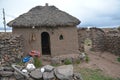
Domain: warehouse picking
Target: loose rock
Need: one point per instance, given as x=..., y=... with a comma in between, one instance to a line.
x=64, y=72
x=18, y=76
x=48, y=68
x=77, y=76
x=36, y=74
x=6, y=73
x=48, y=75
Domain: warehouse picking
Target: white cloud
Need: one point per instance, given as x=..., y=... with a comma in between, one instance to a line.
x=90, y=12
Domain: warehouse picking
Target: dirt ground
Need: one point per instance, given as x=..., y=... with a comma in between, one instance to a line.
x=104, y=61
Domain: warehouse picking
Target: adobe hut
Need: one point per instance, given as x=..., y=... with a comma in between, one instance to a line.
x=48, y=30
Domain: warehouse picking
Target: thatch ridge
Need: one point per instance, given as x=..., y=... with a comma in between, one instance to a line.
x=44, y=16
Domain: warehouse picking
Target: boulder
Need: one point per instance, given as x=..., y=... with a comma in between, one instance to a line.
x=1, y=68
x=8, y=69
x=48, y=68
x=64, y=72
x=77, y=76
x=36, y=74
x=4, y=78
x=18, y=69
x=18, y=76
x=48, y=75
x=6, y=73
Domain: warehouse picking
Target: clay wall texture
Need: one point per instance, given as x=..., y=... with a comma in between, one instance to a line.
x=68, y=45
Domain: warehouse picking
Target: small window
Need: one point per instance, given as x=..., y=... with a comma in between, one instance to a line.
x=61, y=37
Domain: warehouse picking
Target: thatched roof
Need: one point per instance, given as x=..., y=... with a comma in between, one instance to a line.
x=40, y=16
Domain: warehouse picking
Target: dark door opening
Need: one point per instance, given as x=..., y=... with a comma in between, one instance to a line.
x=45, y=42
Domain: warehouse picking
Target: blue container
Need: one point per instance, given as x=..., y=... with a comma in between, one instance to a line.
x=26, y=59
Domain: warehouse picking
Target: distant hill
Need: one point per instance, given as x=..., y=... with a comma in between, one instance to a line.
x=2, y=28
x=8, y=29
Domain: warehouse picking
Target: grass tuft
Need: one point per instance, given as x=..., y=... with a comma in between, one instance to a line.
x=37, y=62
x=90, y=74
x=67, y=62
x=118, y=59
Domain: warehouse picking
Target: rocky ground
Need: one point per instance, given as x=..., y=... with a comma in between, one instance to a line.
x=47, y=72
x=104, y=61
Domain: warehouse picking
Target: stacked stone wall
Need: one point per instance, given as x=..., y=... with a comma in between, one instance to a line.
x=101, y=41
x=113, y=43
x=98, y=39
x=11, y=48
x=82, y=35
x=96, y=35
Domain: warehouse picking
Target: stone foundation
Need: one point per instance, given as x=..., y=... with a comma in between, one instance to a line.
x=67, y=59
x=64, y=72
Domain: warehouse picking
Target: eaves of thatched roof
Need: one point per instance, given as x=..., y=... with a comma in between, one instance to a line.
x=48, y=16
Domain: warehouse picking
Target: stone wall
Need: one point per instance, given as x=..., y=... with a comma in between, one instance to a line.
x=98, y=39
x=101, y=40
x=96, y=35
x=82, y=35
x=47, y=72
x=113, y=43
x=11, y=48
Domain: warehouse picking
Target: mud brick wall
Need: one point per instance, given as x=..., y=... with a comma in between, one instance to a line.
x=113, y=43
x=11, y=48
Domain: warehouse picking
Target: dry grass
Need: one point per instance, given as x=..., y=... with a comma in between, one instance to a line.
x=93, y=74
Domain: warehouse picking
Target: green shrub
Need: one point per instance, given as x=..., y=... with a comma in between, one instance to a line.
x=37, y=62
x=55, y=65
x=78, y=61
x=87, y=58
x=88, y=42
x=20, y=63
x=67, y=62
x=118, y=59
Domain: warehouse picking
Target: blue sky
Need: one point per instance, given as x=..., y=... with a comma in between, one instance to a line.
x=98, y=13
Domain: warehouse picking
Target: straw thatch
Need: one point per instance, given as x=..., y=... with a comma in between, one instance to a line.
x=44, y=16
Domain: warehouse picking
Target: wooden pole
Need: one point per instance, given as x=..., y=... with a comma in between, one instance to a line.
x=4, y=22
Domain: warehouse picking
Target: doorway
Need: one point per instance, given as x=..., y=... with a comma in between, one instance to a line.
x=87, y=44
x=45, y=43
